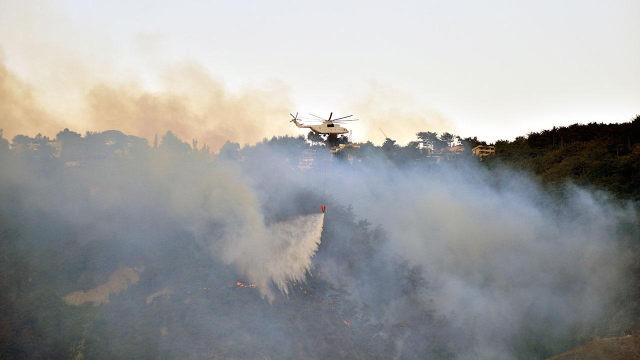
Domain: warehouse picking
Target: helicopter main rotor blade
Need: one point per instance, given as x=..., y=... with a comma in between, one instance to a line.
x=344, y=117
x=318, y=117
x=330, y=115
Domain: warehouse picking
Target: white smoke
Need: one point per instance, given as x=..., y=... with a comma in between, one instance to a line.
x=226, y=202
x=497, y=256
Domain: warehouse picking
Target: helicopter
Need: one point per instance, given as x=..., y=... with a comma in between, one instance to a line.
x=330, y=127
x=326, y=127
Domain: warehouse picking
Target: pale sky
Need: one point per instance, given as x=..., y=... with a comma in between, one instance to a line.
x=492, y=69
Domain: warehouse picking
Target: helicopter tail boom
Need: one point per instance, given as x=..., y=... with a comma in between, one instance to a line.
x=295, y=121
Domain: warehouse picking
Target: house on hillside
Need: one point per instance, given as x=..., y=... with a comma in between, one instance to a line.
x=484, y=150
x=459, y=149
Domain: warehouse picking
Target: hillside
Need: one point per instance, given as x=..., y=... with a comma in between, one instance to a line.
x=117, y=251
x=601, y=156
x=111, y=248
x=176, y=304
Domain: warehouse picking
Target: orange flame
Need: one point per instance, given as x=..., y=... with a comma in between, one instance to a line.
x=245, y=285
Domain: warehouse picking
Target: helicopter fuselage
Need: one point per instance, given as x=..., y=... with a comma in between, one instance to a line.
x=327, y=127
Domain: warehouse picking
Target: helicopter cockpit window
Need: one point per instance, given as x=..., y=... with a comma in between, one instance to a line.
x=330, y=125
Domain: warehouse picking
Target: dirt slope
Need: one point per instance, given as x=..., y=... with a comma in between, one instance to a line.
x=617, y=348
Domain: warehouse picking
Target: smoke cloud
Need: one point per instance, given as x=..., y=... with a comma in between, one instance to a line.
x=193, y=106
x=224, y=212
x=400, y=117
x=189, y=101
x=498, y=254
x=192, y=103
x=265, y=254
x=20, y=111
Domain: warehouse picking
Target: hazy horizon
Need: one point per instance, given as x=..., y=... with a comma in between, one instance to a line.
x=231, y=71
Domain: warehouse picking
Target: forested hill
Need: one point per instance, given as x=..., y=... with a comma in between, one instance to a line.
x=606, y=156
x=112, y=248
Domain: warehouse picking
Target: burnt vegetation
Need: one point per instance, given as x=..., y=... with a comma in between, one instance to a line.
x=59, y=235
